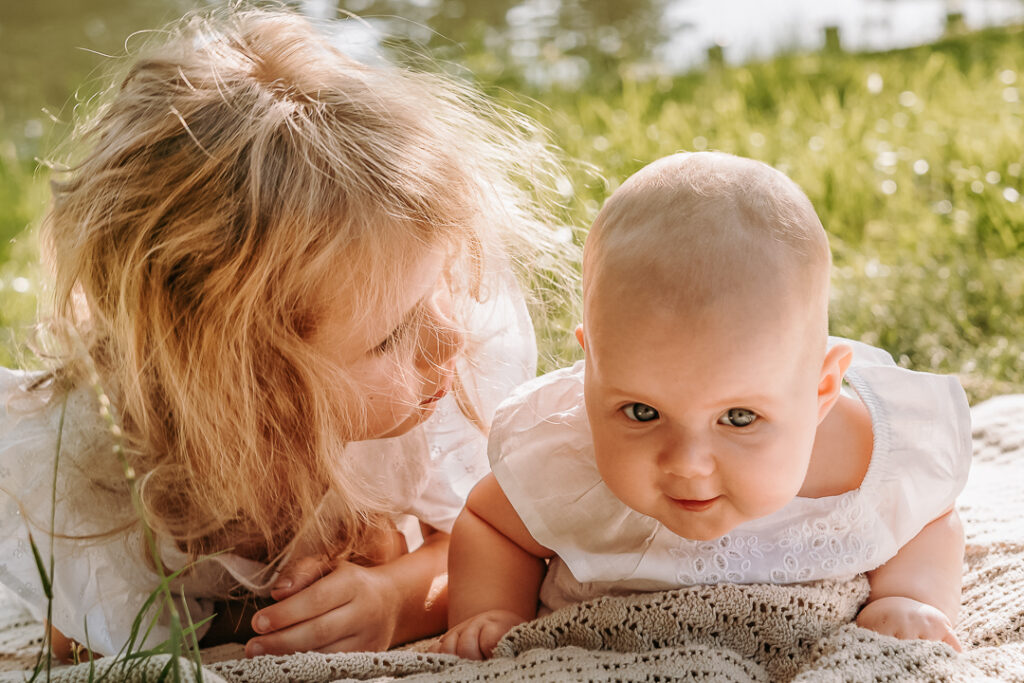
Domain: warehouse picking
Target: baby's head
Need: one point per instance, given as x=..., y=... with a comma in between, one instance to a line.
x=705, y=327
x=267, y=247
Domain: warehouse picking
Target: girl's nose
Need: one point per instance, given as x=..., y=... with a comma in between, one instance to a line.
x=689, y=458
x=442, y=339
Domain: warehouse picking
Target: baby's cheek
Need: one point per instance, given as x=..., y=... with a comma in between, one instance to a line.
x=632, y=484
x=765, y=495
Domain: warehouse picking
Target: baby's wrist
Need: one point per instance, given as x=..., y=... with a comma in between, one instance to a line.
x=890, y=600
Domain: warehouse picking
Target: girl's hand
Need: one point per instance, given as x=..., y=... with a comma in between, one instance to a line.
x=908, y=619
x=340, y=609
x=476, y=637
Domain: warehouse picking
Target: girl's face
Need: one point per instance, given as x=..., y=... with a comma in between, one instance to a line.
x=400, y=359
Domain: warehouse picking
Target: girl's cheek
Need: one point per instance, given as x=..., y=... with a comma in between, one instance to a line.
x=393, y=382
x=376, y=373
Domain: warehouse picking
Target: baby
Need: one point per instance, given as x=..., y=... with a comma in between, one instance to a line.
x=708, y=436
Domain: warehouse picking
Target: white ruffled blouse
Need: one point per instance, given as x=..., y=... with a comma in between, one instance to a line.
x=542, y=456
x=99, y=587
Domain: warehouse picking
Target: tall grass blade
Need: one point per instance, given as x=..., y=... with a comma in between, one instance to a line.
x=41, y=567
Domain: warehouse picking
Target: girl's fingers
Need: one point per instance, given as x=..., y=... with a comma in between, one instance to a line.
x=329, y=632
x=330, y=592
x=351, y=644
x=299, y=574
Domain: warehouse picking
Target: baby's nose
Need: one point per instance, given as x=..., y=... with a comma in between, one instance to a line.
x=688, y=458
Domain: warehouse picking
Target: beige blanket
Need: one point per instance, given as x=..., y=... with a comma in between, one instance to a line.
x=719, y=633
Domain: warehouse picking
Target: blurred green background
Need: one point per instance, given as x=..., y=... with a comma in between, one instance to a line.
x=912, y=155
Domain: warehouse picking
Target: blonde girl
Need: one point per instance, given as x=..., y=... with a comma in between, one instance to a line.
x=288, y=276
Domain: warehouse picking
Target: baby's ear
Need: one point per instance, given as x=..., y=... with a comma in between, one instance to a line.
x=579, y=335
x=833, y=368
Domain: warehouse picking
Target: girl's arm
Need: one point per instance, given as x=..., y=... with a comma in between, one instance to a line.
x=916, y=594
x=495, y=568
x=346, y=607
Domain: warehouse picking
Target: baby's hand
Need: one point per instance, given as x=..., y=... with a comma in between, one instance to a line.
x=908, y=619
x=327, y=608
x=476, y=637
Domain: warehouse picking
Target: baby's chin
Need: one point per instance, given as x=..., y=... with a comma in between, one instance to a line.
x=714, y=526
x=707, y=524
x=702, y=535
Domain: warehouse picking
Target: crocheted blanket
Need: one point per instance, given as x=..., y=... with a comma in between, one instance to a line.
x=720, y=633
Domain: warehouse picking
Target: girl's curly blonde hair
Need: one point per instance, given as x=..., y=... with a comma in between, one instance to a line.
x=242, y=165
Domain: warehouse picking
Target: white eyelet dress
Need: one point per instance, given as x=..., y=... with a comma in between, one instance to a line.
x=542, y=456
x=101, y=586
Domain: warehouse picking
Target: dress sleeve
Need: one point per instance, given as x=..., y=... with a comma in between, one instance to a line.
x=923, y=450
x=541, y=454
x=99, y=586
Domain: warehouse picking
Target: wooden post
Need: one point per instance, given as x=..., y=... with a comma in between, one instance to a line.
x=955, y=23
x=716, y=58
x=832, y=43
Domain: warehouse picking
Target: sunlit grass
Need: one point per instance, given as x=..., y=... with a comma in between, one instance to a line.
x=22, y=200
x=912, y=158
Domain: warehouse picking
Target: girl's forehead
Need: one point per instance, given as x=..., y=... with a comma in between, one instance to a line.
x=363, y=308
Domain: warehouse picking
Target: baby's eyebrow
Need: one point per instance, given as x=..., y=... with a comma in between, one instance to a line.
x=753, y=399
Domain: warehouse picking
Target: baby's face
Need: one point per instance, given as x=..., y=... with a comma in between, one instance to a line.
x=702, y=423
x=401, y=358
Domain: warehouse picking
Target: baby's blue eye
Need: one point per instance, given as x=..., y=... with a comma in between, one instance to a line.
x=738, y=417
x=640, y=412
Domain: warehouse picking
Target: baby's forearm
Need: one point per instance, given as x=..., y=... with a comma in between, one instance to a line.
x=928, y=569
x=489, y=571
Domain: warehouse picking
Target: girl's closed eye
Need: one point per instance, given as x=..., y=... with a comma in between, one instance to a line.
x=738, y=417
x=640, y=412
x=392, y=340
x=413, y=318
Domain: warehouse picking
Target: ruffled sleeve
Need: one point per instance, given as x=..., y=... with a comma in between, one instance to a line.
x=99, y=586
x=541, y=454
x=922, y=443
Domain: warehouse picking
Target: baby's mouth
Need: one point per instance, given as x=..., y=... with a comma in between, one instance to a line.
x=695, y=505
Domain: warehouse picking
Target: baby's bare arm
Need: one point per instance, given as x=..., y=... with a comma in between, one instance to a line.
x=494, y=571
x=916, y=594
x=493, y=561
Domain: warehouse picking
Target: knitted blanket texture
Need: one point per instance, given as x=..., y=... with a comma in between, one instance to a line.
x=707, y=633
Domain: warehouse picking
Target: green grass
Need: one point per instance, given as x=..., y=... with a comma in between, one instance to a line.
x=22, y=200
x=912, y=159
